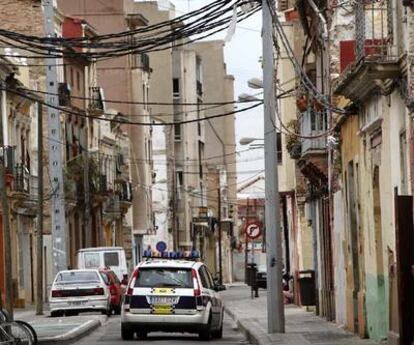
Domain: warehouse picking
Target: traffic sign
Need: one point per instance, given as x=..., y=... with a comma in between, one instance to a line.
x=252, y=230
x=161, y=246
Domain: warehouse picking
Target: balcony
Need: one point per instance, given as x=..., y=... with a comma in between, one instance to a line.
x=21, y=181
x=313, y=123
x=145, y=63
x=371, y=61
x=199, y=88
x=64, y=92
x=96, y=105
x=124, y=192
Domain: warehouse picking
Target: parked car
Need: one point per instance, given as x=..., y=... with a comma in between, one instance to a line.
x=261, y=276
x=172, y=296
x=112, y=257
x=76, y=291
x=115, y=289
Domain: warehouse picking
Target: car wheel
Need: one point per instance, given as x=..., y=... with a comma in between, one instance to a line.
x=206, y=334
x=219, y=333
x=141, y=335
x=126, y=333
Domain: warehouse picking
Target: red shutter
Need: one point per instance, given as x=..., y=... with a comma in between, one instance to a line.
x=346, y=53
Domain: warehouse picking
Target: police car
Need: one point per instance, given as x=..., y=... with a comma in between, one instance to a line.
x=172, y=295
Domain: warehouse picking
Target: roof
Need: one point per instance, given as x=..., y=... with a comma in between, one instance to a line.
x=99, y=249
x=169, y=263
x=81, y=270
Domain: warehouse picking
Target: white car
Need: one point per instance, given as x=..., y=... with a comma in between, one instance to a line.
x=172, y=296
x=75, y=291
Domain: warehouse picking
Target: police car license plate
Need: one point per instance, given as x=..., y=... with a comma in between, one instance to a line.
x=162, y=309
x=163, y=300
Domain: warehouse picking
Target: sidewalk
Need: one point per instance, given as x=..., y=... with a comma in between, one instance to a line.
x=60, y=330
x=302, y=328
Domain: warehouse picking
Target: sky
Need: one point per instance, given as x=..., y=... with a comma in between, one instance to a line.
x=242, y=58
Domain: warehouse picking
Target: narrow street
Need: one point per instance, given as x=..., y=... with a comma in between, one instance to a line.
x=110, y=334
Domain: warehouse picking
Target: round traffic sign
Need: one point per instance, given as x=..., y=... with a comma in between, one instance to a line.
x=161, y=246
x=252, y=230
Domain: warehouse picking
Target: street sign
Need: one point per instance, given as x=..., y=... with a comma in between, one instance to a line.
x=161, y=246
x=253, y=230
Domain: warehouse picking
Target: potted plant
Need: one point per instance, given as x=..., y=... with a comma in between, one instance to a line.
x=293, y=143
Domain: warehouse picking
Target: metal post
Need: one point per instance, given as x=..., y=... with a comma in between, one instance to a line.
x=246, y=244
x=55, y=152
x=5, y=210
x=39, y=235
x=275, y=307
x=219, y=234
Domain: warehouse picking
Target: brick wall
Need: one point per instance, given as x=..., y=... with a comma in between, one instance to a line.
x=24, y=16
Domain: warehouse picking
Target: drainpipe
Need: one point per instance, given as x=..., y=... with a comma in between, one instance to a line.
x=4, y=118
x=315, y=251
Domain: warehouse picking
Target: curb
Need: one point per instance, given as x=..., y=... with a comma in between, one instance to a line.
x=73, y=335
x=250, y=336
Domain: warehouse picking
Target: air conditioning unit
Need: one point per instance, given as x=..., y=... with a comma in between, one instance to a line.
x=64, y=92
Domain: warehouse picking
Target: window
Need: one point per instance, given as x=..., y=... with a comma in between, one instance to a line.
x=180, y=178
x=279, y=148
x=199, y=102
x=77, y=276
x=78, y=81
x=204, y=278
x=177, y=132
x=92, y=260
x=105, y=278
x=200, y=157
x=176, y=87
x=164, y=277
x=111, y=259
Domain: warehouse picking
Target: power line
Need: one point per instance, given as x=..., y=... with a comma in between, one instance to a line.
x=126, y=122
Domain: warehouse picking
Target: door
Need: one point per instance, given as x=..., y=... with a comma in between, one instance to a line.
x=404, y=270
x=208, y=291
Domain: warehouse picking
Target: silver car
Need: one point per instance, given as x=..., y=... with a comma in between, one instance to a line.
x=77, y=291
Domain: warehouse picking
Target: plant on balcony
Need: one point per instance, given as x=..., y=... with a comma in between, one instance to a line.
x=293, y=143
x=302, y=99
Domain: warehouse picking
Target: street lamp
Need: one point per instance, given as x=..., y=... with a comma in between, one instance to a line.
x=245, y=97
x=247, y=140
x=255, y=83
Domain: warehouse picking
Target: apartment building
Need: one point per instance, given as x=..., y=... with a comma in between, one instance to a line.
x=220, y=153
x=126, y=78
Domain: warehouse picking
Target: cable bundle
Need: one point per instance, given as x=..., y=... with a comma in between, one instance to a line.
x=182, y=30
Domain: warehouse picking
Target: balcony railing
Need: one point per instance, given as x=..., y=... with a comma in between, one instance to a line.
x=312, y=124
x=199, y=88
x=96, y=104
x=124, y=191
x=21, y=181
x=9, y=159
x=145, y=62
x=373, y=28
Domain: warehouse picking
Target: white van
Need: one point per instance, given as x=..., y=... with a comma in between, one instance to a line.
x=100, y=257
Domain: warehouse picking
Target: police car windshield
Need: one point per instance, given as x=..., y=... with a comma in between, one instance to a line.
x=164, y=277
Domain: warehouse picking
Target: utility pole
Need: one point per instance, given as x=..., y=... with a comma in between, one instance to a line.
x=275, y=306
x=219, y=234
x=5, y=209
x=55, y=152
x=246, y=243
x=39, y=237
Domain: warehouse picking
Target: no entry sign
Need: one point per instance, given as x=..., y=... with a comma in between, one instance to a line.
x=252, y=230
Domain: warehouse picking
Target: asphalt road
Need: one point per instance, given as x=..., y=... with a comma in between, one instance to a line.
x=110, y=334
